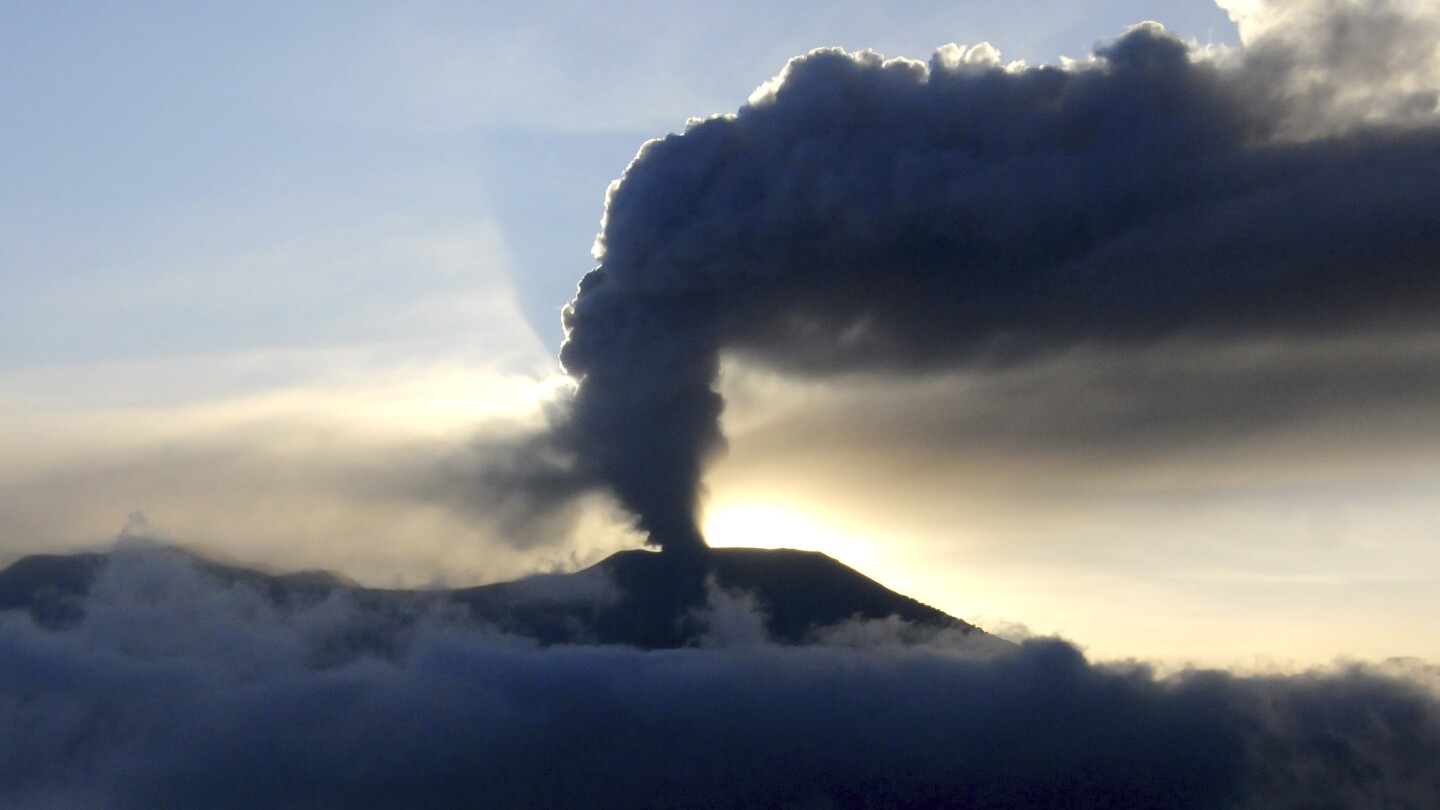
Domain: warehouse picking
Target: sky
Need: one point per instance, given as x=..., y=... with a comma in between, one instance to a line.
x=277, y=280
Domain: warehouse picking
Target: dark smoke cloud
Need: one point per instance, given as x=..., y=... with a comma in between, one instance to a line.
x=893, y=217
x=176, y=691
x=1372, y=398
x=525, y=483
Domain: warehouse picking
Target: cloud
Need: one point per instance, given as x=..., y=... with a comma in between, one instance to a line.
x=1261, y=498
x=1335, y=401
x=178, y=691
x=428, y=474
x=1333, y=65
x=902, y=219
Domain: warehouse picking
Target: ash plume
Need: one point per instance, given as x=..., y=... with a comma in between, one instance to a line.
x=896, y=217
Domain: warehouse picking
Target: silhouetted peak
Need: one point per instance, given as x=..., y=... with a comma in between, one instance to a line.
x=640, y=598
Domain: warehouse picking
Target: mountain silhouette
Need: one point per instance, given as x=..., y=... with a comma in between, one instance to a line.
x=638, y=598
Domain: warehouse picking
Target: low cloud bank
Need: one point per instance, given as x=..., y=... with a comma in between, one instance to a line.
x=175, y=691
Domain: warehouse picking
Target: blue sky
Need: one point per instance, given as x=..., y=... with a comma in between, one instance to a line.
x=146, y=145
x=258, y=262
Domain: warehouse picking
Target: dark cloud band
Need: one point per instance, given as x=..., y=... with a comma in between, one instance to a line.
x=176, y=691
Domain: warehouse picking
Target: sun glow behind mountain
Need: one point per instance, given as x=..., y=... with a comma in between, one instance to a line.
x=757, y=524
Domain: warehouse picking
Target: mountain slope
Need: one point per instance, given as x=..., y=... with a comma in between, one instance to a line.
x=638, y=598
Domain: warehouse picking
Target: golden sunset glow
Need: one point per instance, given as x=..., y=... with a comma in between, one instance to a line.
x=751, y=524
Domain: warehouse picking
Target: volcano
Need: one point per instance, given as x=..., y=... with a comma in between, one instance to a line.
x=638, y=598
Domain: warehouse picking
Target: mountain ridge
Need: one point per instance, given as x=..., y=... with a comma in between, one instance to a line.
x=635, y=597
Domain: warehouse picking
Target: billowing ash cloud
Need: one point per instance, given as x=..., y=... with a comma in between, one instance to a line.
x=864, y=215
x=177, y=691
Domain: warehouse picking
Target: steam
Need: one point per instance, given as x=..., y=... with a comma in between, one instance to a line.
x=897, y=217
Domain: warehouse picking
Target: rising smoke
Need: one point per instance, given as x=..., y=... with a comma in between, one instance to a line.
x=895, y=217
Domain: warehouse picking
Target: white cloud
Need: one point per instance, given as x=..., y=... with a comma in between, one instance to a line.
x=352, y=475
x=1343, y=63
